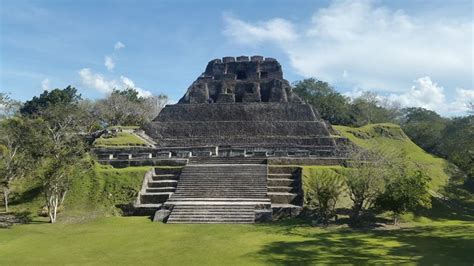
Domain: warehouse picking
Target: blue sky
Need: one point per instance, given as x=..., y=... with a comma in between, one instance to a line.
x=417, y=53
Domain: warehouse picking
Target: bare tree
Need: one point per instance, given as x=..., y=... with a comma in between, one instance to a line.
x=365, y=178
x=128, y=108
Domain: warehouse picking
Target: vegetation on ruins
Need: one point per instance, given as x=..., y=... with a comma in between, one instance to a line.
x=120, y=139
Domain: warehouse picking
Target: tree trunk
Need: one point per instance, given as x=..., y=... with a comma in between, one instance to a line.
x=52, y=207
x=6, y=192
x=395, y=219
x=356, y=211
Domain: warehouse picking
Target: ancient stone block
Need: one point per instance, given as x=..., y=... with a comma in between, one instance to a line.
x=163, y=154
x=161, y=215
x=226, y=98
x=183, y=154
x=124, y=156
x=142, y=156
x=228, y=59
x=242, y=59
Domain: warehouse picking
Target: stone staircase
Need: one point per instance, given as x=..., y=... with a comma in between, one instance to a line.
x=220, y=193
x=227, y=160
x=158, y=185
x=285, y=190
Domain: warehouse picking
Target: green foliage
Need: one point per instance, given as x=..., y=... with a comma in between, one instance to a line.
x=18, y=141
x=404, y=193
x=47, y=99
x=340, y=110
x=457, y=144
x=331, y=105
x=424, y=127
x=367, y=109
x=324, y=188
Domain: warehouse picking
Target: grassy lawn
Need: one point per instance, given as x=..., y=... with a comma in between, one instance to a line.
x=122, y=139
x=136, y=240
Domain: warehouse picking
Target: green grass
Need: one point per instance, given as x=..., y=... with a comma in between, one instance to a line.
x=390, y=137
x=95, y=193
x=136, y=240
x=122, y=139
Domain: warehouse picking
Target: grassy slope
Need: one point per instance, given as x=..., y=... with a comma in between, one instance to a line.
x=391, y=137
x=94, y=193
x=122, y=139
x=136, y=240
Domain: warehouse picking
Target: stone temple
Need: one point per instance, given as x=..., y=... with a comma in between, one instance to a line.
x=242, y=106
x=230, y=135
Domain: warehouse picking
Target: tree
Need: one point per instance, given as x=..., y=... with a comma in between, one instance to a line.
x=325, y=187
x=18, y=141
x=405, y=192
x=456, y=144
x=128, y=108
x=331, y=105
x=8, y=106
x=368, y=108
x=55, y=97
x=62, y=147
x=59, y=170
x=424, y=127
x=63, y=154
x=365, y=179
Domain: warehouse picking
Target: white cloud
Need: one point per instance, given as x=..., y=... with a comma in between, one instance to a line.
x=109, y=63
x=130, y=84
x=425, y=93
x=97, y=81
x=374, y=47
x=277, y=29
x=119, y=45
x=100, y=83
x=45, y=84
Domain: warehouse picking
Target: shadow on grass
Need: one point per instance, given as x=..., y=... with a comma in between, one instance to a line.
x=26, y=196
x=462, y=211
x=425, y=245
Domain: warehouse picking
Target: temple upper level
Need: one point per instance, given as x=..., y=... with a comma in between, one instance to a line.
x=240, y=80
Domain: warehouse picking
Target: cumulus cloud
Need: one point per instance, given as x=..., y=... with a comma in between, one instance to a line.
x=277, y=29
x=119, y=45
x=361, y=44
x=45, y=84
x=109, y=63
x=100, y=83
x=425, y=93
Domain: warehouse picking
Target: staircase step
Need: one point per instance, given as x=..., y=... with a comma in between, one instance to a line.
x=160, y=189
x=162, y=183
x=281, y=189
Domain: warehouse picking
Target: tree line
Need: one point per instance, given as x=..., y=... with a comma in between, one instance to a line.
x=44, y=137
